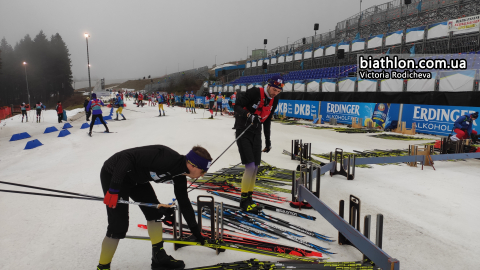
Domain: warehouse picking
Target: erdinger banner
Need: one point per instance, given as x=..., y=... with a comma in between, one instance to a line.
x=304, y=109
x=464, y=24
x=380, y=114
x=433, y=119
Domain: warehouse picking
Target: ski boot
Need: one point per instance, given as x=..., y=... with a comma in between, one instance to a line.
x=90, y=133
x=103, y=267
x=116, y=118
x=124, y=118
x=162, y=261
x=211, y=117
x=247, y=204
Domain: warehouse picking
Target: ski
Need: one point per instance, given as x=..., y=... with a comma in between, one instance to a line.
x=279, y=221
x=266, y=206
x=258, y=244
x=256, y=264
x=235, y=247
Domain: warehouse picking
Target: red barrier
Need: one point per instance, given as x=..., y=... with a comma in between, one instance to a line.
x=5, y=112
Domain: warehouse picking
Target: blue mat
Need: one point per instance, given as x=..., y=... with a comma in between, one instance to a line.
x=50, y=129
x=33, y=144
x=107, y=117
x=67, y=125
x=85, y=125
x=64, y=133
x=19, y=136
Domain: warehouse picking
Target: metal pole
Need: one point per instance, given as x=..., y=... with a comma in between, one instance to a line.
x=26, y=79
x=88, y=62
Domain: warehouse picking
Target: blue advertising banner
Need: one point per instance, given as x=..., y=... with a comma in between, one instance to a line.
x=304, y=109
x=434, y=119
x=384, y=113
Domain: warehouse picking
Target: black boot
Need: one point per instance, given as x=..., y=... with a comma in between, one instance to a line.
x=162, y=261
x=103, y=267
x=163, y=113
x=247, y=204
x=116, y=118
x=124, y=118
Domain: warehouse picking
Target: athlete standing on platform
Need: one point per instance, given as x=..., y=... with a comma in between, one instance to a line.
x=254, y=109
x=219, y=99
x=127, y=174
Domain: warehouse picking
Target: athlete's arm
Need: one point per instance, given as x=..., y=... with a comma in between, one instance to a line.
x=268, y=122
x=123, y=165
x=246, y=100
x=181, y=194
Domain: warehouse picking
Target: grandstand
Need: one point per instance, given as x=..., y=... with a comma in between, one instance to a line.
x=392, y=28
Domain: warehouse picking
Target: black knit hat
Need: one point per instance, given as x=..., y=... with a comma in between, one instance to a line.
x=474, y=115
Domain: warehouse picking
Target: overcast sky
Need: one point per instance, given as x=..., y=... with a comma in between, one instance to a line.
x=132, y=39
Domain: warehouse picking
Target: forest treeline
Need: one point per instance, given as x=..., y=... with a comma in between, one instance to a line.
x=47, y=70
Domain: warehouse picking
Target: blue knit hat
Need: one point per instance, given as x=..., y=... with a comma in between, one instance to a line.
x=94, y=96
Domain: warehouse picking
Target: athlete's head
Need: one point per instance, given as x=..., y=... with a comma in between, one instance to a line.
x=94, y=96
x=474, y=115
x=275, y=86
x=23, y=103
x=198, y=161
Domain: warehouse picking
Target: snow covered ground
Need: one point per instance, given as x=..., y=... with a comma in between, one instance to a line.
x=430, y=217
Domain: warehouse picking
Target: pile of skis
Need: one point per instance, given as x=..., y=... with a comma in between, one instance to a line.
x=256, y=264
x=257, y=225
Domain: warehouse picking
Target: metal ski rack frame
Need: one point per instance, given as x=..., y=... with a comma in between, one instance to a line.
x=350, y=164
x=216, y=221
x=296, y=145
x=362, y=243
x=307, y=173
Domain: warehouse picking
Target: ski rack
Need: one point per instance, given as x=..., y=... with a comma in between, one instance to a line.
x=216, y=221
x=457, y=147
x=361, y=242
x=350, y=164
x=307, y=173
x=301, y=150
x=354, y=221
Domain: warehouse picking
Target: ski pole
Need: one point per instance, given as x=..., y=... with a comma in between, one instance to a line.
x=236, y=139
x=210, y=178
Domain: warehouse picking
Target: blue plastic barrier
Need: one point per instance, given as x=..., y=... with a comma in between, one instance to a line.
x=67, y=125
x=85, y=125
x=64, y=133
x=107, y=118
x=32, y=144
x=19, y=136
x=50, y=130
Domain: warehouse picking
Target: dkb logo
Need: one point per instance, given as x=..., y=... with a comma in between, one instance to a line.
x=302, y=109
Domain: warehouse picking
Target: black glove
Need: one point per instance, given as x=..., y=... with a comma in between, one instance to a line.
x=268, y=147
x=197, y=235
x=463, y=129
x=168, y=214
x=253, y=119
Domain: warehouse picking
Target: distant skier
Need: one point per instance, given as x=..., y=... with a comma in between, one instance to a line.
x=127, y=174
x=186, y=99
x=211, y=103
x=463, y=127
x=219, y=99
x=38, y=107
x=96, y=106
x=59, y=110
x=23, y=107
x=254, y=108
x=233, y=98
x=161, y=101
x=192, y=102
x=140, y=100
x=87, y=113
x=119, y=104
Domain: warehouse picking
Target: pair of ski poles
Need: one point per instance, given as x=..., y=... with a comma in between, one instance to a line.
x=76, y=195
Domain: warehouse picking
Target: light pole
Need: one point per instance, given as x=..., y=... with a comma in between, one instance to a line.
x=26, y=79
x=215, y=61
x=88, y=62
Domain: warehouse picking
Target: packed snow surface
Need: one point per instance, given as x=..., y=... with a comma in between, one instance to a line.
x=430, y=216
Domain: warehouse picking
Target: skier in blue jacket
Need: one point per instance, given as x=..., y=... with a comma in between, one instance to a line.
x=96, y=106
x=463, y=127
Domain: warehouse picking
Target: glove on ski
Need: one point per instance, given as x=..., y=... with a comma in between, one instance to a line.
x=111, y=198
x=198, y=235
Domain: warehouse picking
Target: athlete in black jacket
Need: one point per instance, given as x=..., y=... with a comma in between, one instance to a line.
x=127, y=174
x=253, y=109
